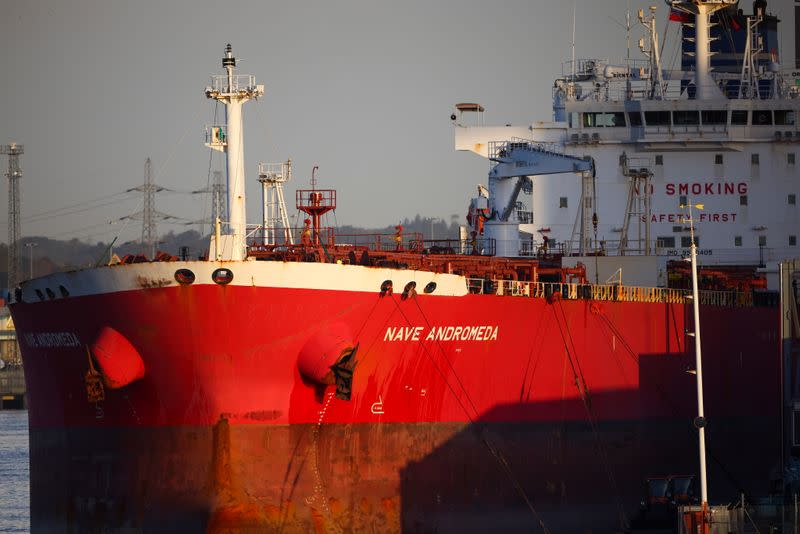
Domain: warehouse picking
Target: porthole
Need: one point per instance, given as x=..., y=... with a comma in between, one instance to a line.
x=430, y=288
x=63, y=291
x=185, y=276
x=50, y=293
x=222, y=276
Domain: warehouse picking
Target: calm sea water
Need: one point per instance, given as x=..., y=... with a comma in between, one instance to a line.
x=14, y=476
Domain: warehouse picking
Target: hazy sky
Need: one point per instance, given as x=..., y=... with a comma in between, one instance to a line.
x=364, y=89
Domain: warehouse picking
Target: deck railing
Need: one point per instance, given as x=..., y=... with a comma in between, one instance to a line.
x=617, y=293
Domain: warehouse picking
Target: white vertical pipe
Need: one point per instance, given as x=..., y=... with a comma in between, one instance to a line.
x=706, y=88
x=236, y=185
x=698, y=366
x=264, y=214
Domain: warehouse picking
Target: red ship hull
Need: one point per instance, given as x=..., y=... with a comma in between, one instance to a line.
x=224, y=433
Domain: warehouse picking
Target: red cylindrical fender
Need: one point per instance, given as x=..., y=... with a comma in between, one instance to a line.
x=118, y=360
x=322, y=350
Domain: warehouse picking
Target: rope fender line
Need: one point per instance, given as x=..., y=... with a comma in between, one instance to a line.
x=583, y=390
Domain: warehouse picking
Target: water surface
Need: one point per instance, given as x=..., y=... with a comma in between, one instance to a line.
x=14, y=474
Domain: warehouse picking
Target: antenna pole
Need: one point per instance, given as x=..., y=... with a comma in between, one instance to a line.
x=574, y=18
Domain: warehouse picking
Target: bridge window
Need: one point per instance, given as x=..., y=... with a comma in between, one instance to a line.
x=714, y=116
x=574, y=119
x=737, y=241
x=562, y=202
x=635, y=118
x=657, y=118
x=784, y=117
x=739, y=117
x=604, y=120
x=686, y=118
x=762, y=117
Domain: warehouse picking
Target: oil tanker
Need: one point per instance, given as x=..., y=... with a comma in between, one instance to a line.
x=296, y=380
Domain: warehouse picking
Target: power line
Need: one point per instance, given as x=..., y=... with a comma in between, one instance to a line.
x=76, y=205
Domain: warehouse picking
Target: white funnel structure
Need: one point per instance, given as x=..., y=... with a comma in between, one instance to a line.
x=707, y=89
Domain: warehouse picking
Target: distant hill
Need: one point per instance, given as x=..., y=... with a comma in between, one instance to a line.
x=53, y=255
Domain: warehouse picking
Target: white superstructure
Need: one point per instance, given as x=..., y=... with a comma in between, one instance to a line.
x=660, y=139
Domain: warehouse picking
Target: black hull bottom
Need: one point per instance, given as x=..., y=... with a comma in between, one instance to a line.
x=421, y=477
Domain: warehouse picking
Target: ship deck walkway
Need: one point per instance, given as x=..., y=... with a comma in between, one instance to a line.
x=620, y=293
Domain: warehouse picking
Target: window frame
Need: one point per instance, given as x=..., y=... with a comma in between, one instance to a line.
x=738, y=113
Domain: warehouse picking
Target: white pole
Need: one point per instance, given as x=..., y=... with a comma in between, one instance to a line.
x=699, y=368
x=236, y=192
x=264, y=214
x=234, y=94
x=574, y=19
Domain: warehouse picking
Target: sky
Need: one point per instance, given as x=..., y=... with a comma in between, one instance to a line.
x=363, y=89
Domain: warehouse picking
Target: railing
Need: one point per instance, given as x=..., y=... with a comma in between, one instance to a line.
x=501, y=149
x=622, y=88
x=12, y=381
x=617, y=293
x=216, y=134
x=477, y=247
x=536, y=248
x=524, y=217
x=281, y=236
x=410, y=242
x=406, y=242
x=238, y=83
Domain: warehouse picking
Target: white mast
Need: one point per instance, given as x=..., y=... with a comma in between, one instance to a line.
x=653, y=53
x=707, y=89
x=700, y=422
x=233, y=90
